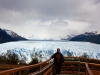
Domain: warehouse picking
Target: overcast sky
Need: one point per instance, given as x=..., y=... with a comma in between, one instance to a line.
x=50, y=18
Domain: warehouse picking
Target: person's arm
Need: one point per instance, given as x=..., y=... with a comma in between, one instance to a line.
x=62, y=59
x=52, y=56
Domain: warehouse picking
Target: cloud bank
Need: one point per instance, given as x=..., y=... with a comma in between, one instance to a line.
x=48, y=19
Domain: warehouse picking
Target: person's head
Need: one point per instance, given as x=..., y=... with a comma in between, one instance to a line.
x=58, y=50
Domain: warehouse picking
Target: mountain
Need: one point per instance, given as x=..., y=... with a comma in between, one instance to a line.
x=68, y=37
x=14, y=35
x=8, y=36
x=93, y=37
x=4, y=37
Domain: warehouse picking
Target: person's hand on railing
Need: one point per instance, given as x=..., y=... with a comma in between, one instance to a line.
x=50, y=58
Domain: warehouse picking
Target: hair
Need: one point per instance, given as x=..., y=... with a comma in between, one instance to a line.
x=58, y=48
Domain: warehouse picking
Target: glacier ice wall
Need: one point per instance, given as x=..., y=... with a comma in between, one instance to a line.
x=44, y=49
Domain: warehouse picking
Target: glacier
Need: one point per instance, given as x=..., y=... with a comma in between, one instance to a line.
x=44, y=49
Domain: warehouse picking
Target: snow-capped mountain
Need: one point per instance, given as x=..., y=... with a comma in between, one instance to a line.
x=86, y=34
x=14, y=35
x=4, y=37
x=68, y=37
x=93, y=37
x=90, y=33
x=8, y=36
x=11, y=33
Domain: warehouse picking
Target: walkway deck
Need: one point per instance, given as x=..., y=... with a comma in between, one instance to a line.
x=68, y=74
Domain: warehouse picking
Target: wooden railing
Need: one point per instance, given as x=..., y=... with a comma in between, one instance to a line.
x=88, y=71
x=26, y=68
x=68, y=67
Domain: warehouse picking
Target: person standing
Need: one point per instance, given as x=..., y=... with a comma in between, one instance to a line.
x=58, y=60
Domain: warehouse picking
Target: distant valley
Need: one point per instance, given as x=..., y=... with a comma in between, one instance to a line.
x=8, y=36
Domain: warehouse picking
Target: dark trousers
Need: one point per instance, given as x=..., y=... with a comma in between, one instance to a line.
x=57, y=68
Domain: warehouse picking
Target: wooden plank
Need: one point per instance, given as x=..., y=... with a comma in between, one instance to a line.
x=51, y=73
x=95, y=72
x=82, y=58
x=48, y=72
x=88, y=69
x=42, y=70
x=94, y=65
x=72, y=72
x=73, y=68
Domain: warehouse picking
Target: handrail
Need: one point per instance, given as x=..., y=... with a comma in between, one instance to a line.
x=82, y=58
x=93, y=64
x=22, y=68
x=41, y=70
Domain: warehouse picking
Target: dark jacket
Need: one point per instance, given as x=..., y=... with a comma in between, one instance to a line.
x=55, y=60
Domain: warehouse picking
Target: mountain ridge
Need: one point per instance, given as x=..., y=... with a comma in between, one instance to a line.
x=14, y=35
x=93, y=37
x=5, y=36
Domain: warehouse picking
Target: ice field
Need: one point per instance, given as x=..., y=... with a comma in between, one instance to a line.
x=44, y=49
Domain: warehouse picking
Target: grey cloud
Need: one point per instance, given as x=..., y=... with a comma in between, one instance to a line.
x=51, y=9
x=20, y=12
x=59, y=24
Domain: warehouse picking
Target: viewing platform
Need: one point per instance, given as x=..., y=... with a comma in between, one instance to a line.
x=71, y=66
